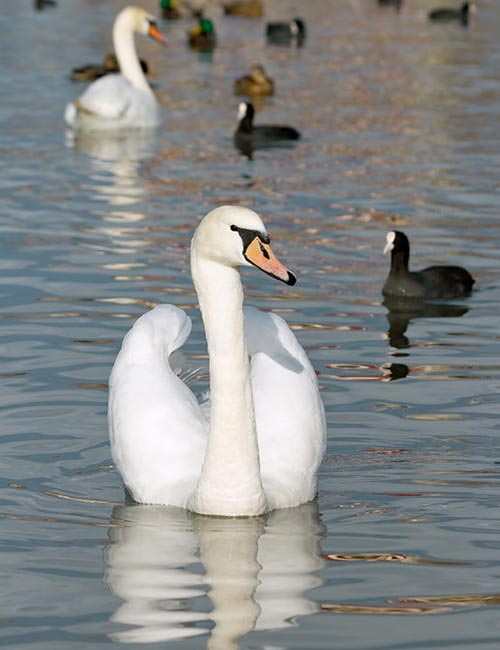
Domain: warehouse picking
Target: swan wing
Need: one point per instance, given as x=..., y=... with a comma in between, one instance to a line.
x=108, y=97
x=289, y=411
x=158, y=432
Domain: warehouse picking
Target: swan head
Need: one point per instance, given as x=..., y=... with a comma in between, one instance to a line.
x=234, y=236
x=140, y=21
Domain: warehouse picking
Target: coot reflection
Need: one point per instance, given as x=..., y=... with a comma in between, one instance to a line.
x=402, y=311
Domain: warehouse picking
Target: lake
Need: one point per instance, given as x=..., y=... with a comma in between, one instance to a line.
x=399, y=120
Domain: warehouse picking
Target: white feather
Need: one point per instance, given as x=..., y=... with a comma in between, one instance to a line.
x=119, y=100
x=267, y=431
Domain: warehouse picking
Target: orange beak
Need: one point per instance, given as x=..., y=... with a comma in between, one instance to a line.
x=260, y=255
x=156, y=35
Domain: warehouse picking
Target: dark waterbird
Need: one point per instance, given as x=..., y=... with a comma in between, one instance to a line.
x=42, y=4
x=254, y=84
x=91, y=71
x=431, y=282
x=397, y=4
x=446, y=14
x=202, y=37
x=402, y=311
x=170, y=10
x=285, y=33
x=248, y=137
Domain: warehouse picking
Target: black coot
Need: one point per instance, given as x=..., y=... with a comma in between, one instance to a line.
x=248, y=137
x=446, y=14
x=397, y=4
x=285, y=33
x=432, y=282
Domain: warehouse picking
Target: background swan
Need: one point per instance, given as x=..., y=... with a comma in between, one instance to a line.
x=266, y=436
x=126, y=99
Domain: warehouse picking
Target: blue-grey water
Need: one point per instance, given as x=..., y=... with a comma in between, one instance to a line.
x=400, y=122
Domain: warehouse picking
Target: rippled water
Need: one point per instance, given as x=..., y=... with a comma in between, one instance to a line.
x=400, y=129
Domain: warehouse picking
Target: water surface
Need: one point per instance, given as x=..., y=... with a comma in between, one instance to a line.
x=400, y=130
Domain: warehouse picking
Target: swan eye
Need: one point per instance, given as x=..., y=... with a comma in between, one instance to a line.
x=248, y=236
x=154, y=32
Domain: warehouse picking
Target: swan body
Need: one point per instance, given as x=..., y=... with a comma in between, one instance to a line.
x=126, y=99
x=262, y=444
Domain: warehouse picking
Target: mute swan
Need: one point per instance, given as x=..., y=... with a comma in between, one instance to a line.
x=126, y=99
x=266, y=436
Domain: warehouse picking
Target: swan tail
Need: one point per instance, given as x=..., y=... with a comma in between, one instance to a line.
x=70, y=114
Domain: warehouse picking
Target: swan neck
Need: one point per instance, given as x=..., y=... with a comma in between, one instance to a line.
x=230, y=482
x=123, y=41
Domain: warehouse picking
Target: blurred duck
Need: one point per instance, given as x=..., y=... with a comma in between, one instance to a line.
x=41, y=4
x=248, y=137
x=245, y=8
x=431, y=282
x=202, y=37
x=255, y=84
x=126, y=99
x=397, y=4
x=293, y=30
x=91, y=72
x=169, y=9
x=446, y=14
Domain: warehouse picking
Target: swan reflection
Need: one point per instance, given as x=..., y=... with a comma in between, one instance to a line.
x=123, y=145
x=116, y=160
x=402, y=311
x=255, y=571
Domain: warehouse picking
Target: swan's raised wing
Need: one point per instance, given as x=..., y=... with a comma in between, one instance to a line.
x=108, y=97
x=291, y=425
x=157, y=430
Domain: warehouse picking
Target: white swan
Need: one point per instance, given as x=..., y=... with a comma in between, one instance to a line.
x=126, y=99
x=266, y=436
